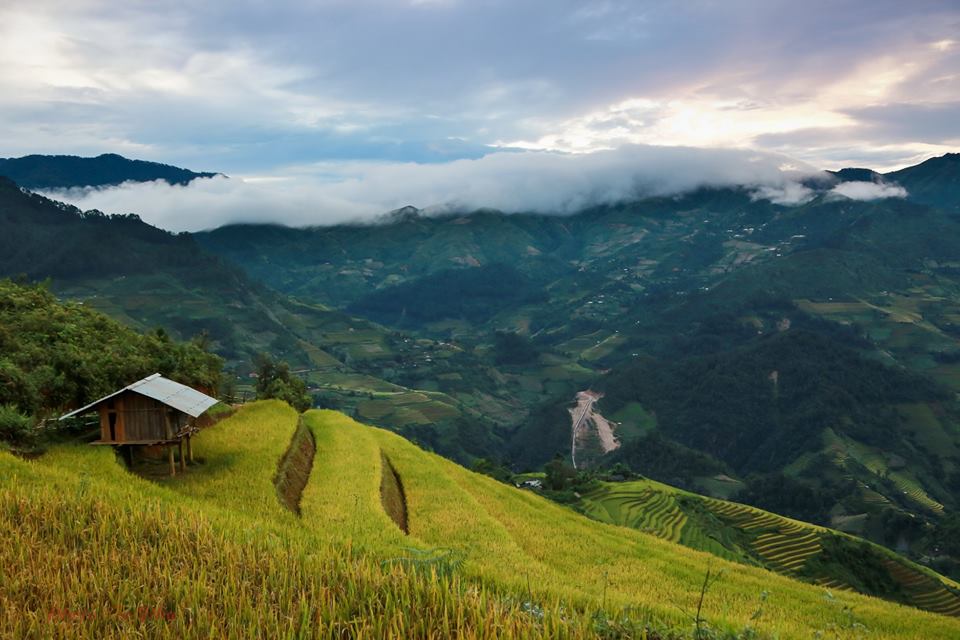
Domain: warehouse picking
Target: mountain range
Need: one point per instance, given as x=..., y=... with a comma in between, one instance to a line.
x=804, y=358
x=40, y=172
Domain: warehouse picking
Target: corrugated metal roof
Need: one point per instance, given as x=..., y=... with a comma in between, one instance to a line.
x=173, y=394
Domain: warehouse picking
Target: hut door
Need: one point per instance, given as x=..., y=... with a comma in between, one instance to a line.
x=108, y=422
x=115, y=420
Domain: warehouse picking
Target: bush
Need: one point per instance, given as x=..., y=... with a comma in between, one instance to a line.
x=15, y=427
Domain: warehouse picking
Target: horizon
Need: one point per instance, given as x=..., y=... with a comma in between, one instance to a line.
x=598, y=179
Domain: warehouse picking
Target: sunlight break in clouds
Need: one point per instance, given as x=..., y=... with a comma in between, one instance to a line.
x=541, y=182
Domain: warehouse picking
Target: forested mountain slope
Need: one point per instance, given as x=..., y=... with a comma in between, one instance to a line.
x=39, y=172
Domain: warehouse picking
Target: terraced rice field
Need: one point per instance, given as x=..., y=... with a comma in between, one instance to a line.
x=752, y=536
x=783, y=544
x=788, y=549
x=912, y=490
x=639, y=507
x=216, y=548
x=832, y=584
x=924, y=591
x=844, y=450
x=786, y=546
x=603, y=348
x=872, y=497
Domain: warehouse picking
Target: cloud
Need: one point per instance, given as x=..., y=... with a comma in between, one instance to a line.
x=869, y=190
x=543, y=182
x=787, y=194
x=251, y=86
x=933, y=123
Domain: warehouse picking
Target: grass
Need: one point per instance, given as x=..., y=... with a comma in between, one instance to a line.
x=90, y=561
x=240, y=460
x=92, y=551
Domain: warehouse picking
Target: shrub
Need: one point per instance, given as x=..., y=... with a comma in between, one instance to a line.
x=15, y=427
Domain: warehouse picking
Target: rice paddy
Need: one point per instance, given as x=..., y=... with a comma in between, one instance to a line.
x=94, y=551
x=644, y=508
x=925, y=591
x=752, y=536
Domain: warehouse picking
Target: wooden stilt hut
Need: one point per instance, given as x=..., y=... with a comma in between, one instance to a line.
x=150, y=412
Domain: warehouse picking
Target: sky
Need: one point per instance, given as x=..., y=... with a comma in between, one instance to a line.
x=325, y=97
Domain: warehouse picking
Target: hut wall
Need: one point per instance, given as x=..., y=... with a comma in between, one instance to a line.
x=143, y=418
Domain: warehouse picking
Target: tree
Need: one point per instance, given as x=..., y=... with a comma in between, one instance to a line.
x=56, y=356
x=560, y=475
x=274, y=380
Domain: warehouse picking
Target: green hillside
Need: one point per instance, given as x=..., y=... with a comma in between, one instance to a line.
x=56, y=356
x=756, y=537
x=932, y=182
x=149, y=278
x=214, y=551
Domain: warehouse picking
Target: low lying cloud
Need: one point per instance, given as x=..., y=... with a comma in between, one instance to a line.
x=542, y=182
x=787, y=194
x=869, y=190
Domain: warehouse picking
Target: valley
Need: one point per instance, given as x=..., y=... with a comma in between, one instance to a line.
x=665, y=355
x=695, y=279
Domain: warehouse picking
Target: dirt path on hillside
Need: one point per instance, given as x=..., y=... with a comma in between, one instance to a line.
x=585, y=420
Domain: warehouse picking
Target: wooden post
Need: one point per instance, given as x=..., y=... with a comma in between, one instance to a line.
x=183, y=461
x=173, y=467
x=189, y=450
